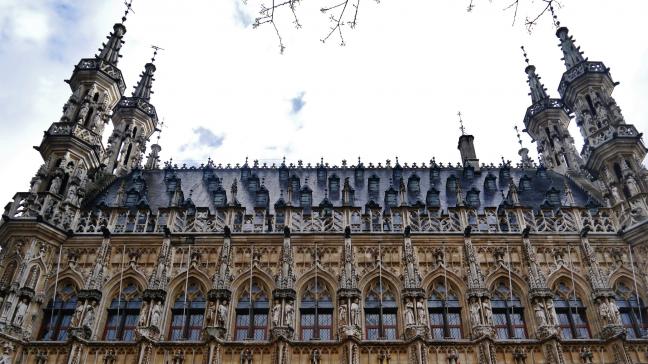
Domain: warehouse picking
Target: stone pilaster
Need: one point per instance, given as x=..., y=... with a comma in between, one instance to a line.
x=415, y=313
x=479, y=306
x=220, y=294
x=283, y=307
x=348, y=294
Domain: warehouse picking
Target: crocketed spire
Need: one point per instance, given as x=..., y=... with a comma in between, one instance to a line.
x=143, y=88
x=109, y=52
x=538, y=91
x=572, y=54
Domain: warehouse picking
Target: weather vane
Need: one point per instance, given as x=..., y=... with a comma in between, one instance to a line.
x=161, y=125
x=461, y=127
x=129, y=9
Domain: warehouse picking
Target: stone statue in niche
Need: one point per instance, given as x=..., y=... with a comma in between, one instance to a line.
x=156, y=314
x=422, y=315
x=276, y=313
x=289, y=314
x=540, y=314
x=488, y=313
x=221, y=314
x=475, y=318
x=342, y=314
x=143, y=314
x=409, y=313
x=21, y=311
x=355, y=313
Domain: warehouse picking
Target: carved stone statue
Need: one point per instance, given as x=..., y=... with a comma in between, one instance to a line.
x=474, y=313
x=221, y=314
x=156, y=314
x=342, y=314
x=615, y=315
x=56, y=185
x=289, y=314
x=21, y=310
x=276, y=313
x=541, y=316
x=355, y=313
x=552, y=313
x=604, y=310
x=143, y=314
x=422, y=315
x=89, y=318
x=78, y=313
x=632, y=186
x=488, y=313
x=83, y=112
x=409, y=313
x=615, y=194
x=211, y=313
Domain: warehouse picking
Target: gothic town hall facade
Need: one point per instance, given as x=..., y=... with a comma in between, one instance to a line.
x=110, y=257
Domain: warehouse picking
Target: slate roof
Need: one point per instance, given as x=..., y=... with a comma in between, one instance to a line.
x=378, y=186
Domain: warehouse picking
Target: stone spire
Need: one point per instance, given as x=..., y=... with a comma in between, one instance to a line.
x=143, y=89
x=135, y=120
x=525, y=160
x=572, y=54
x=109, y=52
x=538, y=91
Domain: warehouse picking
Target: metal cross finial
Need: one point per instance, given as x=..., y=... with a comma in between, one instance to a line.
x=526, y=58
x=517, y=131
x=155, y=52
x=554, y=16
x=461, y=127
x=129, y=9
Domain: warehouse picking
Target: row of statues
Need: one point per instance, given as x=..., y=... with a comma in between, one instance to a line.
x=410, y=317
x=481, y=313
x=217, y=314
x=288, y=314
x=353, y=310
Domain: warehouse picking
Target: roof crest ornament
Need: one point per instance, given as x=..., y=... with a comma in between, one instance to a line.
x=461, y=124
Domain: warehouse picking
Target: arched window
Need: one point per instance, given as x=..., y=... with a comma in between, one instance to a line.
x=445, y=313
x=123, y=314
x=32, y=278
x=187, y=314
x=58, y=313
x=316, y=312
x=508, y=313
x=380, y=312
x=7, y=275
x=633, y=313
x=252, y=313
x=571, y=313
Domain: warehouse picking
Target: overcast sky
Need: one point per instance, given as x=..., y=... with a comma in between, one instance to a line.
x=224, y=90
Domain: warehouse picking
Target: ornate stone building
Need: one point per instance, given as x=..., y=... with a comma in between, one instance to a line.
x=104, y=260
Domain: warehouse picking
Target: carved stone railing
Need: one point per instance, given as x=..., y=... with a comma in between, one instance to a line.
x=606, y=134
x=541, y=106
x=579, y=70
x=74, y=129
x=96, y=64
x=121, y=220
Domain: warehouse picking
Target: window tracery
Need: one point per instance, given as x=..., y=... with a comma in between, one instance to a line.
x=633, y=312
x=123, y=314
x=381, y=312
x=316, y=311
x=508, y=313
x=571, y=313
x=252, y=313
x=444, y=310
x=58, y=313
x=187, y=314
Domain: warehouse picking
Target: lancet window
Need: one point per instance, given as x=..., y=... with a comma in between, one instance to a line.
x=381, y=312
x=445, y=313
x=571, y=313
x=508, y=313
x=316, y=311
x=187, y=314
x=58, y=313
x=123, y=314
x=252, y=313
x=633, y=312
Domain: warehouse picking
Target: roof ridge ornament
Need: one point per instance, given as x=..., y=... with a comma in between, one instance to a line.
x=461, y=124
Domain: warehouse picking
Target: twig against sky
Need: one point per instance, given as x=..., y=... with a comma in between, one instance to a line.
x=344, y=13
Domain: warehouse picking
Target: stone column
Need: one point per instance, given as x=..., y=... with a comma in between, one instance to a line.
x=152, y=312
x=415, y=313
x=479, y=306
x=220, y=294
x=283, y=307
x=348, y=295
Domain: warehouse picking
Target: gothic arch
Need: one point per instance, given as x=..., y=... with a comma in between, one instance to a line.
x=328, y=278
x=453, y=280
x=197, y=274
x=131, y=274
x=257, y=273
x=386, y=276
x=566, y=271
x=8, y=273
x=624, y=274
x=519, y=284
x=68, y=275
x=111, y=291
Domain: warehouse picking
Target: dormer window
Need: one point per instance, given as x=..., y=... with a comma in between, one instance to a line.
x=542, y=172
x=306, y=198
x=451, y=184
x=472, y=198
x=295, y=183
x=212, y=183
x=321, y=174
x=220, y=198
x=359, y=175
x=397, y=174
x=262, y=199
x=245, y=173
x=390, y=198
x=435, y=173
x=525, y=183
x=171, y=184
x=505, y=174
x=334, y=184
x=253, y=183
x=432, y=198
x=283, y=173
x=469, y=172
x=373, y=187
x=131, y=198
x=414, y=184
x=490, y=183
x=553, y=197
